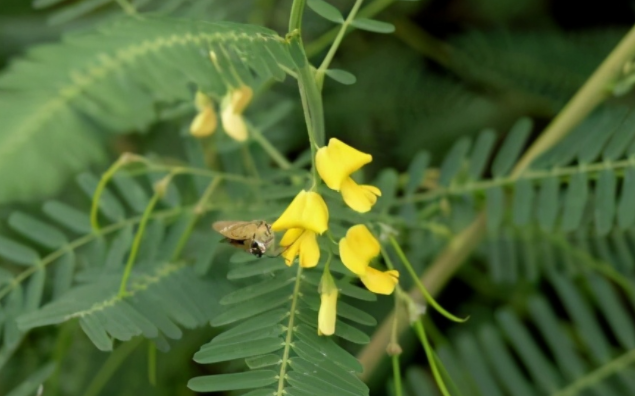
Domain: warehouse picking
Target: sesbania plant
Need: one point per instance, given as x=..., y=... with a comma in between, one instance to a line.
x=193, y=123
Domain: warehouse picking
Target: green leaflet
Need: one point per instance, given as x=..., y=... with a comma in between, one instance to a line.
x=246, y=380
x=326, y=10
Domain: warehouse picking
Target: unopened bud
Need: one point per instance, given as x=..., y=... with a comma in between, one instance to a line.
x=393, y=349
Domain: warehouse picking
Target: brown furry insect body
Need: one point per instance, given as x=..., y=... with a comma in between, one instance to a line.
x=254, y=237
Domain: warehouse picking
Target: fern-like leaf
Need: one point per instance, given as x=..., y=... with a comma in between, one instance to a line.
x=63, y=95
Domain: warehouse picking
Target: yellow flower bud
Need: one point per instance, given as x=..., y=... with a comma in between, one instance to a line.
x=327, y=315
x=206, y=121
x=204, y=124
x=232, y=107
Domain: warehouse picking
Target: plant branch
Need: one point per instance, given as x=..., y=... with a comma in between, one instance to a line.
x=127, y=7
x=327, y=38
x=450, y=259
x=289, y=337
x=319, y=74
x=295, y=18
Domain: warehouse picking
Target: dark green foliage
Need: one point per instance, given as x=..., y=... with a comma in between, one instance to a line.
x=505, y=356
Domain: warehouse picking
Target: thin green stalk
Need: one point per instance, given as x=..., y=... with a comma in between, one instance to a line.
x=592, y=93
x=198, y=211
x=127, y=7
x=313, y=101
x=396, y=373
x=110, y=366
x=295, y=17
x=418, y=325
x=250, y=164
x=602, y=267
x=81, y=241
x=152, y=363
x=101, y=186
x=319, y=44
x=419, y=285
x=471, y=187
x=303, y=80
x=270, y=149
x=136, y=243
x=183, y=170
x=289, y=337
x=319, y=74
x=598, y=375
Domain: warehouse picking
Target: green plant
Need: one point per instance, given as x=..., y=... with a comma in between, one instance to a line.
x=217, y=120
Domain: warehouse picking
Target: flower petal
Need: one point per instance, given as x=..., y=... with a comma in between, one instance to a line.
x=303, y=243
x=380, y=282
x=357, y=248
x=337, y=161
x=307, y=210
x=234, y=125
x=240, y=98
x=291, y=247
x=309, y=250
x=359, y=198
x=205, y=122
x=327, y=315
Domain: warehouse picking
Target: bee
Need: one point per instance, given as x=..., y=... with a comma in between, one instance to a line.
x=254, y=237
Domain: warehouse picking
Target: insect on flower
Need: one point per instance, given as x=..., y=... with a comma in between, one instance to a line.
x=254, y=237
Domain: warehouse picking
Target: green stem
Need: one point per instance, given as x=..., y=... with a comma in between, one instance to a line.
x=396, y=372
x=312, y=99
x=152, y=363
x=592, y=263
x=101, y=186
x=327, y=38
x=127, y=7
x=183, y=170
x=421, y=333
x=536, y=175
x=598, y=375
x=136, y=243
x=79, y=242
x=270, y=149
x=198, y=211
x=295, y=17
x=110, y=366
x=289, y=337
x=306, y=78
x=422, y=289
x=592, y=93
x=319, y=74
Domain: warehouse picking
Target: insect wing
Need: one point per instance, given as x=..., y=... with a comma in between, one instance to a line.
x=236, y=230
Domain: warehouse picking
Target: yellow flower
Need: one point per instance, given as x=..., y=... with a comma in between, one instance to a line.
x=380, y=282
x=357, y=249
x=327, y=314
x=303, y=243
x=307, y=211
x=335, y=163
x=232, y=107
x=205, y=122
